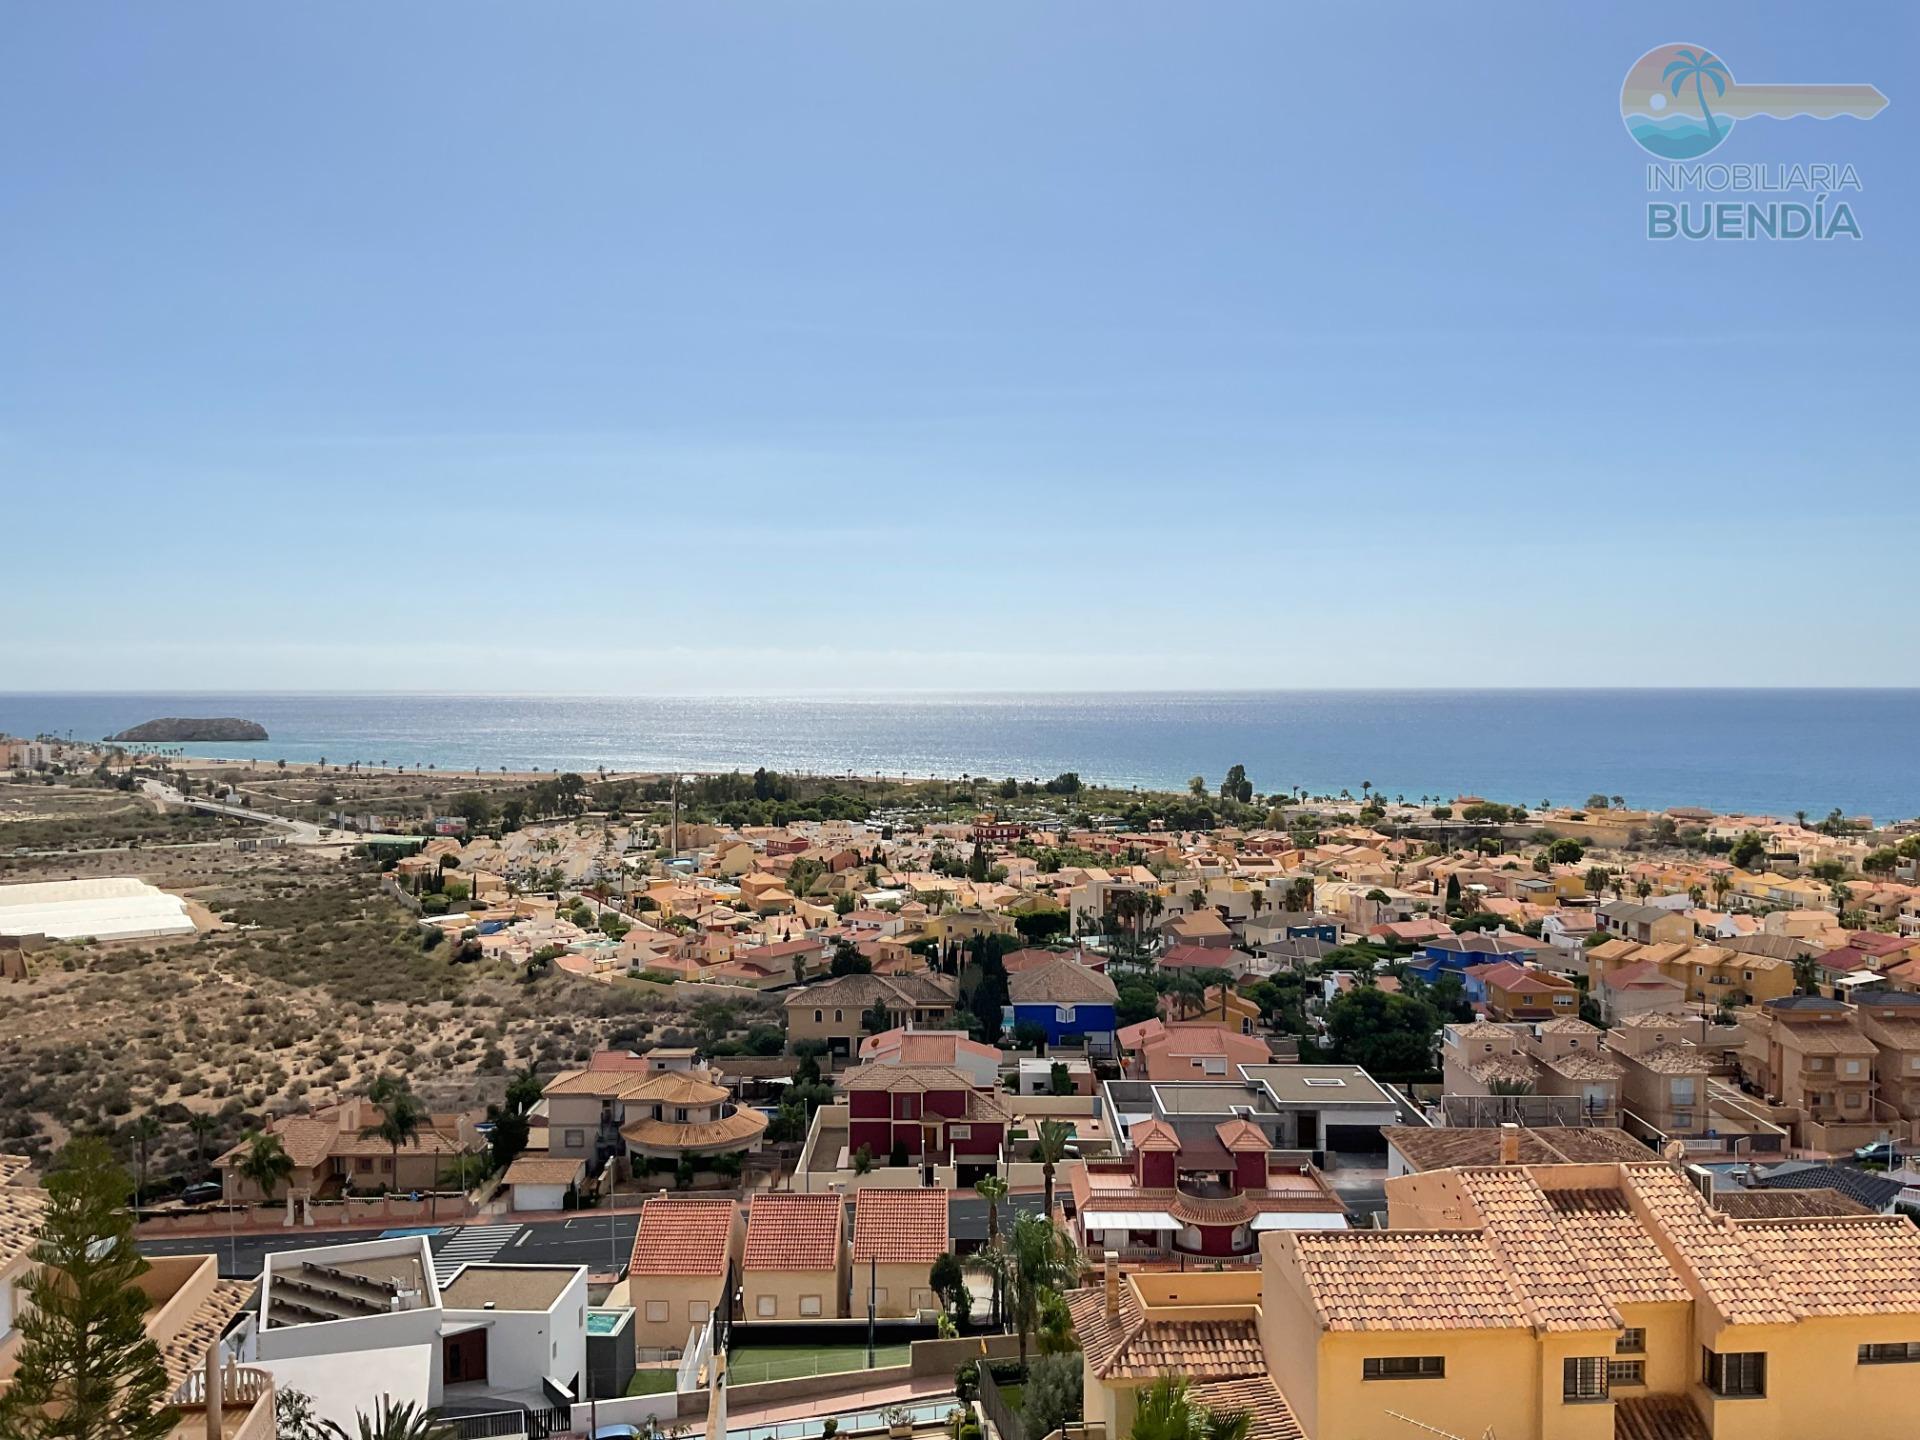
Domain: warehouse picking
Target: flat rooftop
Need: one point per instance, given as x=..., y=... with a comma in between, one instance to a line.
x=508, y=1287
x=1320, y=1084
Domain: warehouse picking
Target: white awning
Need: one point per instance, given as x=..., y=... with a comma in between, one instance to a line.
x=1299, y=1220
x=1129, y=1220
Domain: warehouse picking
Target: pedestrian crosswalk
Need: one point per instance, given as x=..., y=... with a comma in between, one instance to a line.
x=471, y=1245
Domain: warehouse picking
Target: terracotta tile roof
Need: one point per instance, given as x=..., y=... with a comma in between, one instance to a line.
x=1841, y=1265
x=1670, y=1060
x=1259, y=1397
x=1620, y=1254
x=186, y=1349
x=795, y=1232
x=1153, y=1135
x=1516, y=1069
x=1133, y=1346
x=900, y=1227
x=1785, y=1204
x=1657, y=1417
x=20, y=1210
x=1061, y=983
x=1710, y=1251
x=1520, y=1225
x=541, y=1170
x=12, y=1167
x=683, y=1236
x=1584, y=1065
x=1445, y=1148
x=729, y=1132
x=1241, y=1134
x=1406, y=1280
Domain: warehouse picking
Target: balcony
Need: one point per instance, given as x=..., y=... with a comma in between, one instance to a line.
x=242, y=1410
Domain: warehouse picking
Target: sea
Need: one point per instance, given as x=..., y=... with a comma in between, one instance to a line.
x=1759, y=751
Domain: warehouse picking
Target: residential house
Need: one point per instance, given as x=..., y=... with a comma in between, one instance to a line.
x=1067, y=1003
x=1456, y=953
x=1638, y=988
x=1664, y=1089
x=1520, y=992
x=927, y=1115
x=897, y=1235
x=1712, y=974
x=1414, y=1148
x=683, y=1255
x=1203, y=928
x=1581, y=1302
x=794, y=1266
x=1219, y=1005
x=1140, y=1327
x=1819, y=1065
x=335, y=1151
x=1891, y=1020
x=1644, y=924
x=951, y=1048
x=1192, y=1190
x=667, y=1107
x=833, y=1012
x=1188, y=1050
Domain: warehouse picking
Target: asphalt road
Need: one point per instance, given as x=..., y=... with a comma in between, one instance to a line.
x=599, y=1242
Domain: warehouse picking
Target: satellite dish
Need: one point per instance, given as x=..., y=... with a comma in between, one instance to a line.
x=1674, y=1151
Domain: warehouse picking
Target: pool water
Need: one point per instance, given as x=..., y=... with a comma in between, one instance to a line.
x=604, y=1322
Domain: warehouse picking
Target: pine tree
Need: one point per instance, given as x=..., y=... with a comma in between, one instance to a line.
x=87, y=1368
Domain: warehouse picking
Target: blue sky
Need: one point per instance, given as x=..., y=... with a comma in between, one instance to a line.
x=723, y=347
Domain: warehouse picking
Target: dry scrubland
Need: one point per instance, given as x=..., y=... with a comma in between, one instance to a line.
x=312, y=982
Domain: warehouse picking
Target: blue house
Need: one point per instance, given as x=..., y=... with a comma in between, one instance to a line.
x=1454, y=953
x=1066, y=1001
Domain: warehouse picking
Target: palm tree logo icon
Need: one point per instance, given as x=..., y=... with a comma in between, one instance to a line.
x=1669, y=100
x=1699, y=67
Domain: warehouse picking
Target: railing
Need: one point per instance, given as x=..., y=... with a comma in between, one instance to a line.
x=493, y=1425
x=239, y=1385
x=999, y=1414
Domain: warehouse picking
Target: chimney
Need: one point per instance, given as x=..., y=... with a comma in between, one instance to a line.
x=1113, y=1283
x=1509, y=1144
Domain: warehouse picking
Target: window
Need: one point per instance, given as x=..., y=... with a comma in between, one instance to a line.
x=1738, y=1374
x=879, y=1296
x=838, y=1016
x=818, y=1016
x=1335, y=1080
x=1901, y=1352
x=1626, y=1372
x=1683, y=1091
x=1583, y=1378
x=1404, y=1367
x=657, y=1311
x=923, y=1299
x=698, y=1310
x=1853, y=1067
x=809, y=1304
x=574, y=1139
x=766, y=1306
x=1632, y=1341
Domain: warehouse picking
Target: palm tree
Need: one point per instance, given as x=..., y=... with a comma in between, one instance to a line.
x=1697, y=67
x=1040, y=1260
x=202, y=1127
x=1167, y=1410
x=1721, y=885
x=992, y=1189
x=391, y=1422
x=266, y=1163
x=401, y=1116
x=1050, y=1144
x=143, y=1132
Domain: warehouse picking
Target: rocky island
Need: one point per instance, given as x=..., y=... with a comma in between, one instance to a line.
x=175, y=730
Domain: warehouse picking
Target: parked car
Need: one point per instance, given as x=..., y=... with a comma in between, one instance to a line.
x=205, y=1192
x=1881, y=1152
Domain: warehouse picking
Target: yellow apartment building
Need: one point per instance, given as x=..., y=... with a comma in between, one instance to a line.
x=1601, y=1301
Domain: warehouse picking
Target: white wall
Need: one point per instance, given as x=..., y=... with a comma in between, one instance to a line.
x=525, y=1347
x=539, y=1197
